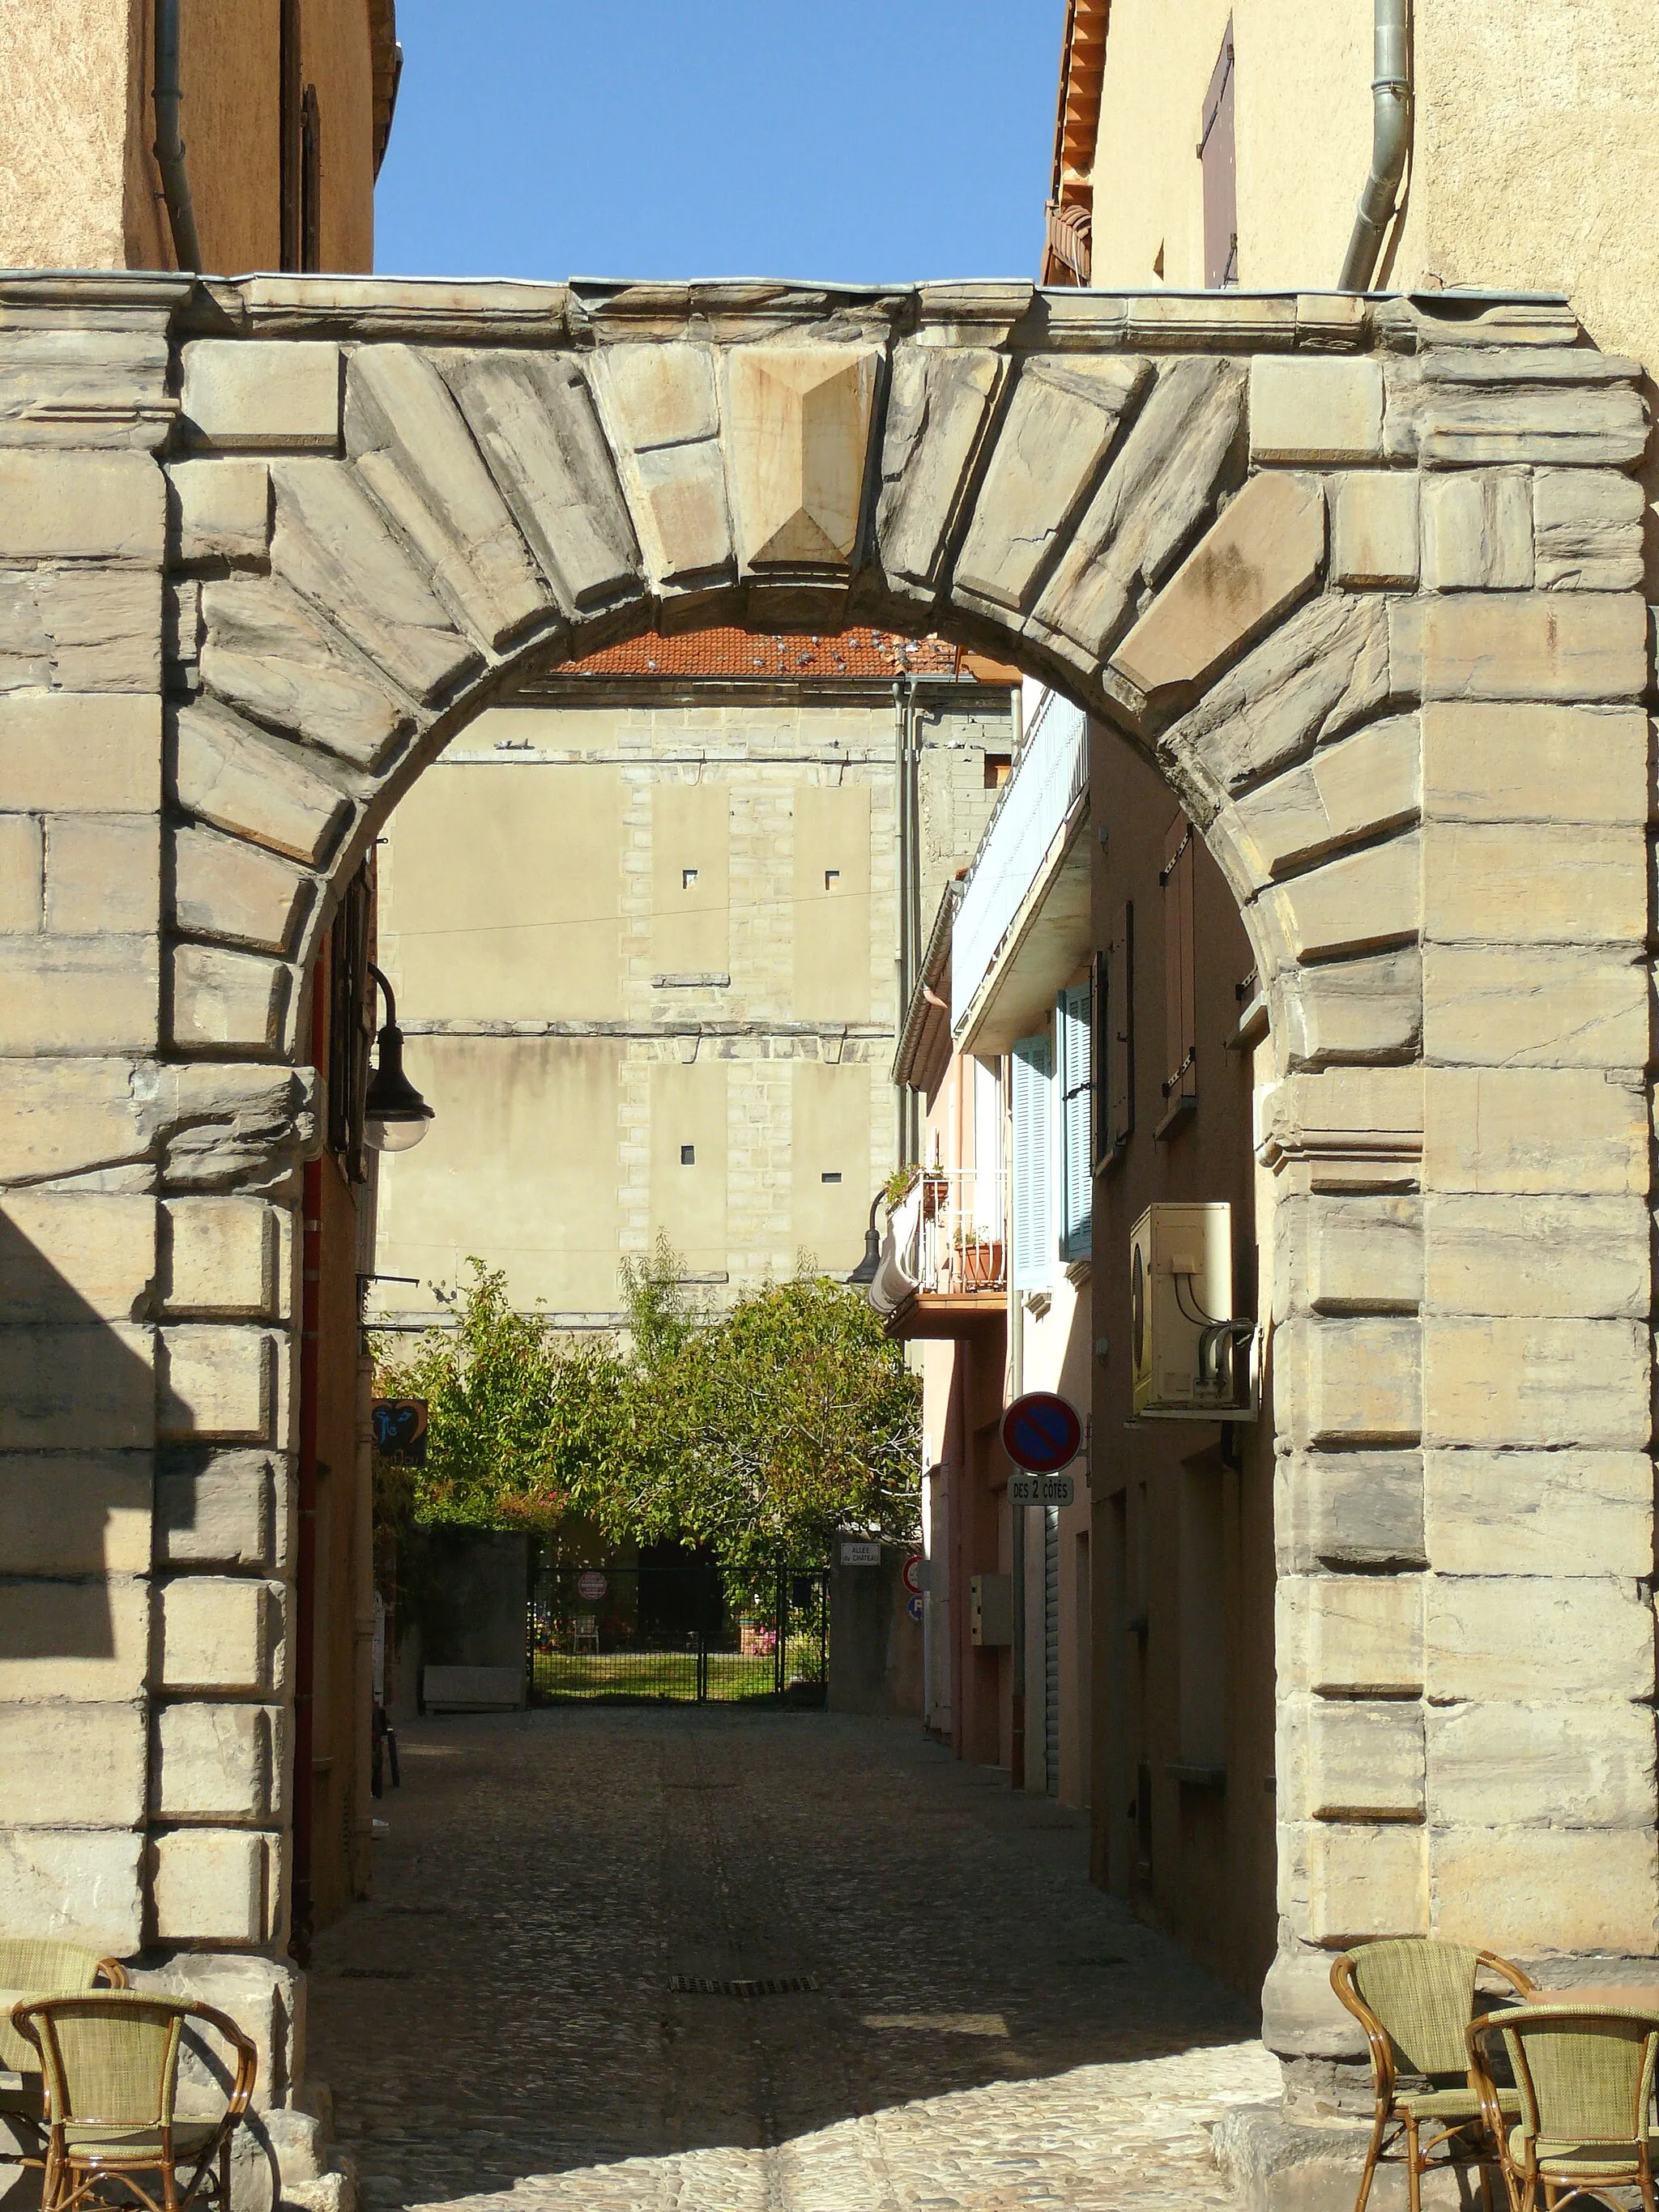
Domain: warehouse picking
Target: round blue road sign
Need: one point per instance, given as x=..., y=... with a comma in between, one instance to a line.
x=1042, y=1432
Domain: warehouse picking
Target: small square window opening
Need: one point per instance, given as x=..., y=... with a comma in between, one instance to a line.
x=830, y=1174
x=999, y=767
x=831, y=877
x=688, y=1156
x=688, y=876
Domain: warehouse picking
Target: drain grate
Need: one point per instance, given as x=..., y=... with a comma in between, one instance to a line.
x=375, y=1974
x=762, y=1985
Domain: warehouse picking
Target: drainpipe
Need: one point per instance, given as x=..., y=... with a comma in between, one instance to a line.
x=1391, y=134
x=301, y=1906
x=901, y=956
x=169, y=137
x=1017, y=1516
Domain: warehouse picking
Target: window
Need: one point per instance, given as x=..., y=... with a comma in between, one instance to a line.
x=830, y=1174
x=1217, y=162
x=1033, y=1237
x=1073, y=1026
x=999, y=767
x=1114, y=1042
x=688, y=876
x=1180, y=980
x=688, y=1156
x=831, y=877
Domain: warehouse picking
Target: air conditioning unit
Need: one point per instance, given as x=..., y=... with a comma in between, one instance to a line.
x=1193, y=1359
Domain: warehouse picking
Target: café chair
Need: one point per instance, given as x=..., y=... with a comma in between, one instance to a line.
x=1583, y=2076
x=30, y=1967
x=110, y=2063
x=1414, y=1997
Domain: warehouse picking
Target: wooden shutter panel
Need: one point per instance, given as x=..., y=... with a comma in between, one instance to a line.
x=1033, y=1166
x=1180, y=974
x=1076, y=1091
x=1218, y=159
x=1114, y=1022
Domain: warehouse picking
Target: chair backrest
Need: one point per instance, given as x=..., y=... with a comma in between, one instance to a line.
x=1423, y=1992
x=1585, y=2074
x=111, y=2056
x=30, y=1967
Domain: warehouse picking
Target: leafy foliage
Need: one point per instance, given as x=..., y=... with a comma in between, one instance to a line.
x=755, y=1434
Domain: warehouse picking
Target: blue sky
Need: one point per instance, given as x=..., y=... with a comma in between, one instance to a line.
x=855, y=141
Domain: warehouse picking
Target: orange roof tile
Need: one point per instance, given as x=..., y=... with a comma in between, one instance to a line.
x=747, y=656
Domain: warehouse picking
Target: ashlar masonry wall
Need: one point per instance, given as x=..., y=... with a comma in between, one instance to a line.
x=1358, y=574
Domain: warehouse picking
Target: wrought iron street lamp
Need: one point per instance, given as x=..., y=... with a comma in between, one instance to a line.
x=865, y=1273
x=396, y=1115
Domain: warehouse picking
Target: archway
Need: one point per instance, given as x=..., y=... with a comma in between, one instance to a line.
x=1353, y=572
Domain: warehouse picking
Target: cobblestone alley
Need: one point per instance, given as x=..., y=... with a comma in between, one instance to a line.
x=985, y=2029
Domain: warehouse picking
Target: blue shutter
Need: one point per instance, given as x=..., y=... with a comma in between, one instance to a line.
x=1033, y=1165
x=1076, y=1181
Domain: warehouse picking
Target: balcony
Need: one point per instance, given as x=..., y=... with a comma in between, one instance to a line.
x=1023, y=921
x=944, y=1254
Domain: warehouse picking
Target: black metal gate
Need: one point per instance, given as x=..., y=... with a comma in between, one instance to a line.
x=679, y=1634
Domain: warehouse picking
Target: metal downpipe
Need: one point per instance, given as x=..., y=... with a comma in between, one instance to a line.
x=1391, y=137
x=169, y=137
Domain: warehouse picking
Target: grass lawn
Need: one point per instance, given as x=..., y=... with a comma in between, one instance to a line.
x=653, y=1674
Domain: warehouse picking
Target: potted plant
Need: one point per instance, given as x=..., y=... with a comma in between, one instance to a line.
x=979, y=1260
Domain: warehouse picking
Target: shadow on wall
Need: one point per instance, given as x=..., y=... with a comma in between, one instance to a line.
x=77, y=1428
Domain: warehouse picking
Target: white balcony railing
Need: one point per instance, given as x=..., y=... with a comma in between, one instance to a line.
x=1049, y=778
x=947, y=1236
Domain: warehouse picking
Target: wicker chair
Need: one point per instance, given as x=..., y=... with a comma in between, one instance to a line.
x=1584, y=2079
x=1415, y=1998
x=29, y=1968
x=110, y=2060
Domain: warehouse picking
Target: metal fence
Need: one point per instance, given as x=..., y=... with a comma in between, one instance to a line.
x=679, y=1634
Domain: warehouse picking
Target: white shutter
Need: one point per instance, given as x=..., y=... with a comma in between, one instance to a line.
x=1076, y=1191
x=1033, y=1164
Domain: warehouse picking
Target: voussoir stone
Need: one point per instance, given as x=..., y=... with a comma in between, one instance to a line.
x=224, y=999
x=253, y=786
x=937, y=405
x=224, y=887
x=266, y=652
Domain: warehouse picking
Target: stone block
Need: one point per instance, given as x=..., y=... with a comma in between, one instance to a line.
x=1523, y=1639
x=1371, y=1110
x=81, y=507
x=214, y=1382
x=214, y=1762
x=1477, y=531
x=1301, y=2016
x=221, y=997
x=224, y=887
x=1522, y=645
x=1355, y=1381
x=227, y=1126
x=220, y=510
x=1057, y=429
x=266, y=1998
x=1535, y=1006
x=413, y=449
x=1476, y=408
x=1348, y=791
x=75, y=1513
x=72, y=1765
x=1535, y=1381
x=23, y=875
x=85, y=1388
x=1588, y=529
x=78, y=994
x=68, y=1257
x=1361, y=902
x=1350, y=1759
x=264, y=652
x=938, y=401
x=1534, y=883
x=58, y=1116
x=1538, y=1129
x=218, y=1508
x=83, y=628
x=1374, y=528
x=660, y=395
x=1537, y=1893
x=1572, y=1257
x=1364, y=1880
x=1304, y=408
x=1359, y=1635
x=1318, y=675
x=75, y=1641
x=1539, y=1512
x=677, y=495
x=1517, y=763
x=796, y=436
x=219, y=1256
x=103, y=875
x=1263, y=555
x=80, y=1886
x=1361, y=1509
x=275, y=395
x=218, y=1633
x=1586, y=1764
x=1351, y=1253
x=240, y=780
x=61, y=752
x=211, y=1886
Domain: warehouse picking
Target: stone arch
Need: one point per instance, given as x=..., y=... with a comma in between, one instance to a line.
x=1358, y=574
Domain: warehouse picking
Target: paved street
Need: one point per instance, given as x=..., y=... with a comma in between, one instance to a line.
x=983, y=2029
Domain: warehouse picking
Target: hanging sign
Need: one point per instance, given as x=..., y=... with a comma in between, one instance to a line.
x=400, y=1427
x=1042, y=1432
x=591, y=1585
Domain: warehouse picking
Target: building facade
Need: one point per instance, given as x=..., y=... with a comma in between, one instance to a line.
x=645, y=929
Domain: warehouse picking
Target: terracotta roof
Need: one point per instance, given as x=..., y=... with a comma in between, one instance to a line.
x=746, y=656
x=1066, y=246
